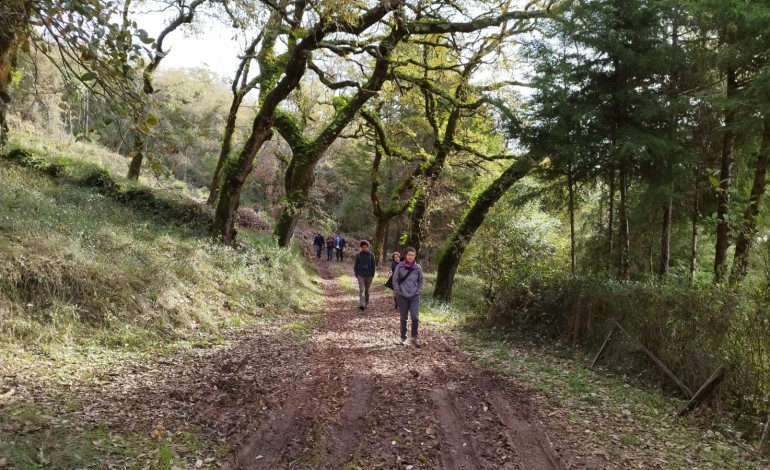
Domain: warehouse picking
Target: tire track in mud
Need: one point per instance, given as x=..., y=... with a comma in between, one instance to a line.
x=293, y=421
x=456, y=452
x=344, y=439
x=532, y=446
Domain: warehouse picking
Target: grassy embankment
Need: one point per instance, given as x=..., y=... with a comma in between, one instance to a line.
x=94, y=271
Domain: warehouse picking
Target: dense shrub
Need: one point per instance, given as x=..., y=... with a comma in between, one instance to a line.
x=693, y=329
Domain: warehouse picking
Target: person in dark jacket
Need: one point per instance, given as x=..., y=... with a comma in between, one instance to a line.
x=395, y=258
x=318, y=243
x=364, y=269
x=339, y=245
x=407, y=284
x=329, y=247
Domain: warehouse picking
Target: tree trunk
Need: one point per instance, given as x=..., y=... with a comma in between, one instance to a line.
x=227, y=146
x=749, y=224
x=13, y=13
x=419, y=208
x=379, y=242
x=472, y=219
x=665, y=241
x=624, y=230
x=571, y=190
x=234, y=176
x=137, y=157
x=725, y=184
x=385, y=255
x=299, y=179
x=695, y=218
x=610, y=218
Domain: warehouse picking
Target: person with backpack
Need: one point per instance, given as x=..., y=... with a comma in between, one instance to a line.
x=339, y=245
x=395, y=259
x=364, y=269
x=407, y=285
x=329, y=247
x=318, y=243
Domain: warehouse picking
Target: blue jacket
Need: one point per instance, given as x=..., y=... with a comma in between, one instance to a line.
x=339, y=241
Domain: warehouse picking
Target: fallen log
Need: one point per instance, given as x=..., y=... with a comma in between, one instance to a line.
x=705, y=392
x=682, y=386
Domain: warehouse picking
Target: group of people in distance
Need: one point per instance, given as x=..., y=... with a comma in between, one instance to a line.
x=336, y=244
x=406, y=279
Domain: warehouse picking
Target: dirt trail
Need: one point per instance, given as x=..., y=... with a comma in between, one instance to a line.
x=366, y=401
x=327, y=390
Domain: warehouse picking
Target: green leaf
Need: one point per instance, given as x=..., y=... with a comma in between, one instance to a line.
x=88, y=77
x=152, y=120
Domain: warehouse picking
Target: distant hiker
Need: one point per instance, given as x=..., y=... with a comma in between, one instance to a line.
x=329, y=247
x=364, y=269
x=407, y=284
x=318, y=243
x=395, y=258
x=339, y=245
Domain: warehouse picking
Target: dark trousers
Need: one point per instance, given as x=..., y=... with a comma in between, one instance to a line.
x=338, y=252
x=318, y=251
x=329, y=250
x=405, y=307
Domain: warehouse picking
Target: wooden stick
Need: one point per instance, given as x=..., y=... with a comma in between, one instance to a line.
x=706, y=390
x=767, y=425
x=604, y=346
x=660, y=364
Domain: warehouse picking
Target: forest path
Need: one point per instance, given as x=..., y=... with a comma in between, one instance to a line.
x=327, y=389
x=353, y=397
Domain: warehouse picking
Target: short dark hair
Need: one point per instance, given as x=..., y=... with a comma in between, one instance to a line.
x=364, y=243
x=408, y=249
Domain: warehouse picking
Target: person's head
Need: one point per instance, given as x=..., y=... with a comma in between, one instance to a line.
x=396, y=256
x=410, y=254
x=338, y=234
x=364, y=245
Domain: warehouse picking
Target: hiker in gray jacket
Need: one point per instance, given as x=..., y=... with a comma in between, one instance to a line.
x=407, y=285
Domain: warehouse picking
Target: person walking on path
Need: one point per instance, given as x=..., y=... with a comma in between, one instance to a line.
x=395, y=258
x=407, y=285
x=329, y=247
x=364, y=269
x=339, y=245
x=318, y=243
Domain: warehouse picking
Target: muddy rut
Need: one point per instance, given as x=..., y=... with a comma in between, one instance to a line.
x=357, y=399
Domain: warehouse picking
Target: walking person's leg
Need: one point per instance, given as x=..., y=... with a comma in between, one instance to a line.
x=403, y=309
x=318, y=251
x=367, y=285
x=361, y=290
x=414, y=309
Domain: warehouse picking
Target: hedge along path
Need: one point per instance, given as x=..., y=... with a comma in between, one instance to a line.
x=364, y=401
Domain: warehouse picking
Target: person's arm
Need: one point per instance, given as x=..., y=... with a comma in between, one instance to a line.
x=396, y=284
x=420, y=281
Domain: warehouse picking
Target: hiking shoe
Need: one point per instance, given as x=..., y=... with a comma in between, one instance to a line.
x=416, y=343
x=361, y=307
x=403, y=341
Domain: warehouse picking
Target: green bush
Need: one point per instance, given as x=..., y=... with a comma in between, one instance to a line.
x=693, y=329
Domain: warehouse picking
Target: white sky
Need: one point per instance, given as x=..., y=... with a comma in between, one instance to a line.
x=212, y=48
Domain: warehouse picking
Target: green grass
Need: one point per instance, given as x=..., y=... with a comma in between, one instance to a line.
x=95, y=272
x=77, y=266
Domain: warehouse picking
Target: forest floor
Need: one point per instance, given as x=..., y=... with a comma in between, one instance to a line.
x=331, y=389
